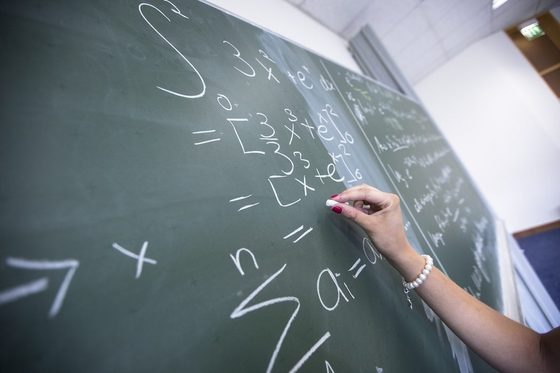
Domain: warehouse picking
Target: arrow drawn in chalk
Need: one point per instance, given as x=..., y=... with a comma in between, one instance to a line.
x=41, y=284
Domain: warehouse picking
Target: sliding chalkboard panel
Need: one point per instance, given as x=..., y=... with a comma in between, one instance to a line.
x=163, y=172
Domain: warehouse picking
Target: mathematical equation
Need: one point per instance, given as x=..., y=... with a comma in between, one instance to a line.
x=301, y=152
x=327, y=279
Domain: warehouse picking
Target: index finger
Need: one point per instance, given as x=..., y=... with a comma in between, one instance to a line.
x=364, y=193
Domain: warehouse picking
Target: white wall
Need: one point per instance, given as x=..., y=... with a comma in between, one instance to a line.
x=288, y=21
x=556, y=13
x=504, y=123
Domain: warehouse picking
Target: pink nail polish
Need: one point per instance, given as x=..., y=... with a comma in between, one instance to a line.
x=334, y=196
x=337, y=209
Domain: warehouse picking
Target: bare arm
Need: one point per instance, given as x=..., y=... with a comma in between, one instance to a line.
x=503, y=343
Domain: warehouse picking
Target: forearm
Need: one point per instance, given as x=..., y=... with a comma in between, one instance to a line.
x=503, y=343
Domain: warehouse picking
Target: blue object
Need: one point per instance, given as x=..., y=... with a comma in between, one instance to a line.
x=543, y=252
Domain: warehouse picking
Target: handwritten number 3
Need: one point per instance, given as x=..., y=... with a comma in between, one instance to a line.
x=238, y=55
x=203, y=91
x=277, y=151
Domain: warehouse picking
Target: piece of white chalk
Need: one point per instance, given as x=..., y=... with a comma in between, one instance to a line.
x=332, y=202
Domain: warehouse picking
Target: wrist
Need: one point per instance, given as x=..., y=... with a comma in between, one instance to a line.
x=408, y=263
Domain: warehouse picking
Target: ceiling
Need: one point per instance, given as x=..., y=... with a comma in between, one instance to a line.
x=421, y=35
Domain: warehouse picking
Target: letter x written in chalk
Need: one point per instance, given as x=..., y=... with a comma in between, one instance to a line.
x=141, y=258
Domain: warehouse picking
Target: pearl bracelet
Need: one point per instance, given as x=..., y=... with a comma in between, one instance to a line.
x=422, y=276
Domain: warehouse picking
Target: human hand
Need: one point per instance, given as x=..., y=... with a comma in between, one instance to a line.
x=379, y=214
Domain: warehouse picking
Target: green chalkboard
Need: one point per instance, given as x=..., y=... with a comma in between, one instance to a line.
x=163, y=173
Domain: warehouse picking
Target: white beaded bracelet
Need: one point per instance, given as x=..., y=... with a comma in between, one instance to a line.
x=422, y=276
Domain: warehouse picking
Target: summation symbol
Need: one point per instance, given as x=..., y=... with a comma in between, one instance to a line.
x=244, y=308
x=297, y=230
x=245, y=207
x=204, y=133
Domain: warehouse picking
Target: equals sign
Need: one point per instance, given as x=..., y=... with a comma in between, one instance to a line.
x=203, y=133
x=296, y=231
x=359, y=270
x=241, y=199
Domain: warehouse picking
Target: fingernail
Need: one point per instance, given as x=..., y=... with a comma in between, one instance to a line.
x=337, y=209
x=334, y=196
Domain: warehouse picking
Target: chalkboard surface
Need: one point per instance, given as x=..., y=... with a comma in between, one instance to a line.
x=164, y=168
